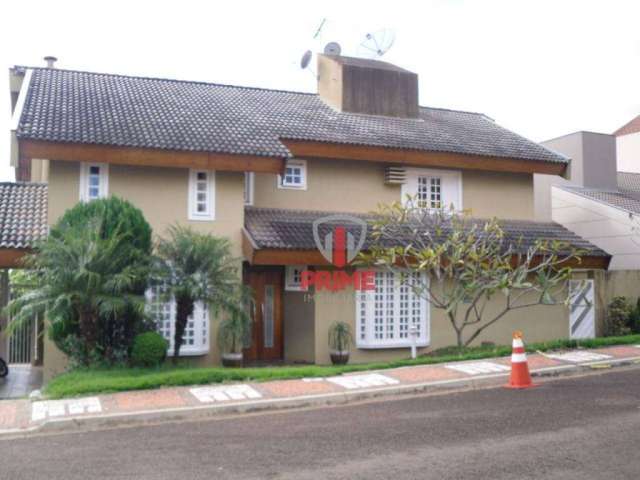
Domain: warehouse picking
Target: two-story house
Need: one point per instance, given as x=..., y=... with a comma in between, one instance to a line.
x=259, y=166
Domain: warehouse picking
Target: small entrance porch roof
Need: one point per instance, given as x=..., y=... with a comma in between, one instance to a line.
x=285, y=237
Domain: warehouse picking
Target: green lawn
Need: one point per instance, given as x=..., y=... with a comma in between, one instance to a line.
x=93, y=381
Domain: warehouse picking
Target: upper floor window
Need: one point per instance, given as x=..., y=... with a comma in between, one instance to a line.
x=94, y=181
x=295, y=175
x=433, y=189
x=249, y=181
x=201, y=195
x=430, y=192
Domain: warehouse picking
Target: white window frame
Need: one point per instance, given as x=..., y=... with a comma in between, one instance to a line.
x=449, y=180
x=199, y=322
x=249, y=187
x=303, y=174
x=210, y=214
x=103, y=186
x=291, y=283
x=401, y=338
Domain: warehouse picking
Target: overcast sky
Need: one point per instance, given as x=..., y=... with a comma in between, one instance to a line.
x=540, y=68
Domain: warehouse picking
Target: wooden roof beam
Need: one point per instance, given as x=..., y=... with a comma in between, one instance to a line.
x=79, y=152
x=420, y=158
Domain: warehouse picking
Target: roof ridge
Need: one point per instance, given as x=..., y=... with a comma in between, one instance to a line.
x=224, y=85
x=165, y=79
x=442, y=109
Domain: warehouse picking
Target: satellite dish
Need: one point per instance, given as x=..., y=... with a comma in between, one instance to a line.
x=376, y=44
x=332, y=48
x=306, y=59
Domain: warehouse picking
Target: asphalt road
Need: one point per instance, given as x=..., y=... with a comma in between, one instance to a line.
x=582, y=428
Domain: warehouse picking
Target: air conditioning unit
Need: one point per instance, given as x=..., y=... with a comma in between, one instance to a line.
x=395, y=175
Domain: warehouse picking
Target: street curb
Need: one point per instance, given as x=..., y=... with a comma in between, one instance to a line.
x=93, y=422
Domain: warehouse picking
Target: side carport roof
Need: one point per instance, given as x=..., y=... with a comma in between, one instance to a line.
x=23, y=220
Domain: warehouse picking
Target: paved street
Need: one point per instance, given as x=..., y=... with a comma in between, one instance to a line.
x=582, y=428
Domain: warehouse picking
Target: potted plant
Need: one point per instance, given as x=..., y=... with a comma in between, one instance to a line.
x=232, y=335
x=340, y=339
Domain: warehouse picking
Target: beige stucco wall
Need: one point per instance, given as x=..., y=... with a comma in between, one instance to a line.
x=162, y=195
x=354, y=186
x=299, y=318
x=498, y=194
x=332, y=185
x=539, y=323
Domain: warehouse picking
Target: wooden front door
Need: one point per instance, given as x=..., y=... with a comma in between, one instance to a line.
x=267, y=334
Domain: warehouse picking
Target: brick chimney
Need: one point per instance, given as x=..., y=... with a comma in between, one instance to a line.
x=371, y=87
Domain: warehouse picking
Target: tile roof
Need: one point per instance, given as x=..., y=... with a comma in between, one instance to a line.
x=107, y=109
x=272, y=228
x=631, y=127
x=615, y=198
x=23, y=214
x=629, y=182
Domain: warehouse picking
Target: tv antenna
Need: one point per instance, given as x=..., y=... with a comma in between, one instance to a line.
x=376, y=44
x=331, y=48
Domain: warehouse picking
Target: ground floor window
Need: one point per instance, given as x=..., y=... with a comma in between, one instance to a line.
x=384, y=316
x=163, y=312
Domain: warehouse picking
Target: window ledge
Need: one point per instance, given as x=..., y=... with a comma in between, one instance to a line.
x=190, y=352
x=365, y=346
x=201, y=218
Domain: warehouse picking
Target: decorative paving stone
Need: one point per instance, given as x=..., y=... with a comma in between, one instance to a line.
x=60, y=408
x=425, y=374
x=351, y=382
x=224, y=393
x=479, y=368
x=535, y=362
x=580, y=357
x=8, y=415
x=149, y=400
x=622, y=351
x=297, y=388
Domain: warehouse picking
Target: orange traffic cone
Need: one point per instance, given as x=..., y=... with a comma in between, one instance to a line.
x=520, y=377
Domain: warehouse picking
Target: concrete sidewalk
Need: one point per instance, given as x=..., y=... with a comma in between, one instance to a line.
x=181, y=403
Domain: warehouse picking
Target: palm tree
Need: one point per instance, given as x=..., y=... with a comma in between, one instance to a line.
x=195, y=267
x=78, y=274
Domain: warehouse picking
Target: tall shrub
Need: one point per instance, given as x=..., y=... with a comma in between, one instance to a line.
x=196, y=267
x=89, y=276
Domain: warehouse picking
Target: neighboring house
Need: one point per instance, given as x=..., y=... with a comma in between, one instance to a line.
x=593, y=164
x=598, y=203
x=628, y=146
x=259, y=166
x=594, y=200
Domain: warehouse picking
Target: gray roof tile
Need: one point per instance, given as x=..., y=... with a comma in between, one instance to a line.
x=629, y=182
x=83, y=107
x=273, y=228
x=23, y=214
x=615, y=198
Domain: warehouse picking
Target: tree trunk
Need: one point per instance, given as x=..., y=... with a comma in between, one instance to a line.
x=184, y=309
x=458, y=331
x=88, y=331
